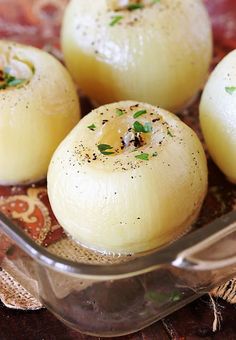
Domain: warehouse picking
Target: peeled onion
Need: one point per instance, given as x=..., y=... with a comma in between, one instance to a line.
x=159, y=54
x=218, y=115
x=128, y=178
x=39, y=106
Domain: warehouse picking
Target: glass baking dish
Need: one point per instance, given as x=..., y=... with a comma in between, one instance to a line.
x=111, y=296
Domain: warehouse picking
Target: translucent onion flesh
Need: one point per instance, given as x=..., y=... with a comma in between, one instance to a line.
x=218, y=115
x=159, y=54
x=39, y=106
x=117, y=190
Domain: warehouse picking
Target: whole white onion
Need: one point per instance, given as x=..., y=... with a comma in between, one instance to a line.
x=159, y=53
x=39, y=106
x=128, y=178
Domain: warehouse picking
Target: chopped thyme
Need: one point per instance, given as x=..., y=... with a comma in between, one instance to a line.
x=120, y=112
x=161, y=297
x=115, y=20
x=146, y=128
x=15, y=82
x=103, y=149
x=143, y=156
x=169, y=133
x=175, y=296
x=92, y=127
x=133, y=7
x=139, y=113
x=7, y=80
x=138, y=127
x=230, y=89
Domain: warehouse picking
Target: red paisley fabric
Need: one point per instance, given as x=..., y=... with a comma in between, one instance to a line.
x=34, y=22
x=223, y=15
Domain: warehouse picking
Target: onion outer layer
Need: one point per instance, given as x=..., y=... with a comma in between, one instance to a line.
x=35, y=115
x=218, y=115
x=118, y=202
x=159, y=54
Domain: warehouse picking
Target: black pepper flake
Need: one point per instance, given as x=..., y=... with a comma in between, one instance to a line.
x=134, y=106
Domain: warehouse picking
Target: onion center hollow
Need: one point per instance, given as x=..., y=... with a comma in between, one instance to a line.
x=14, y=72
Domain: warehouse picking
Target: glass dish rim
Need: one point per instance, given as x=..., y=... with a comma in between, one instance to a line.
x=167, y=255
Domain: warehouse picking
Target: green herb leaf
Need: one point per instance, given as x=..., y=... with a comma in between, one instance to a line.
x=157, y=297
x=169, y=133
x=120, y=112
x=146, y=128
x=9, y=80
x=115, y=20
x=143, y=156
x=7, y=76
x=138, y=127
x=103, y=149
x=107, y=153
x=133, y=7
x=162, y=297
x=139, y=113
x=175, y=296
x=92, y=127
x=15, y=82
x=230, y=89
